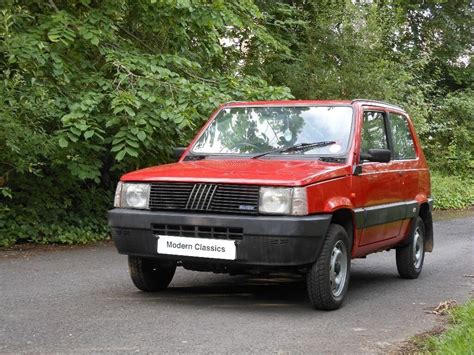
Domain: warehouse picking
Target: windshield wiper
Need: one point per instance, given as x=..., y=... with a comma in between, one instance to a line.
x=300, y=147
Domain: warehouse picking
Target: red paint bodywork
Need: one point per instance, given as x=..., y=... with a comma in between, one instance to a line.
x=330, y=186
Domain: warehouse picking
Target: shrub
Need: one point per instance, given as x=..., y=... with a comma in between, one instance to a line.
x=54, y=210
x=452, y=192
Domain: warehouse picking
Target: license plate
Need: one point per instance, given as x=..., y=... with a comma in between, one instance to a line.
x=198, y=247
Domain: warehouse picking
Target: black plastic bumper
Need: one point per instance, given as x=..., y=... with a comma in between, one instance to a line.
x=266, y=240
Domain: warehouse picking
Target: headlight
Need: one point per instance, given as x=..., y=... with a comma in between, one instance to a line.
x=132, y=195
x=280, y=200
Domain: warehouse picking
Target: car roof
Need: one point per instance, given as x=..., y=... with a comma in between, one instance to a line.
x=361, y=102
x=289, y=103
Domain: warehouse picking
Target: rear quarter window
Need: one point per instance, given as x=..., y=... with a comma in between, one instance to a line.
x=403, y=146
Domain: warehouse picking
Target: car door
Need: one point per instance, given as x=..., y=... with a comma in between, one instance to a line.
x=406, y=161
x=379, y=213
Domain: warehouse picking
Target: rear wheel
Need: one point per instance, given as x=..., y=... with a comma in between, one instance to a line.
x=150, y=275
x=328, y=279
x=410, y=257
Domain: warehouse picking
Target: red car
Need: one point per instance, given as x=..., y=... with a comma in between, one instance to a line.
x=301, y=186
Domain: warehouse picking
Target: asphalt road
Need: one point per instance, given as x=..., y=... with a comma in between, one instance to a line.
x=82, y=301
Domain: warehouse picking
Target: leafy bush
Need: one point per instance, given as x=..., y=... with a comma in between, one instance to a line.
x=449, y=141
x=91, y=89
x=452, y=192
x=54, y=210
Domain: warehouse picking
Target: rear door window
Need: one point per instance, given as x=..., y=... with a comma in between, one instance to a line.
x=403, y=146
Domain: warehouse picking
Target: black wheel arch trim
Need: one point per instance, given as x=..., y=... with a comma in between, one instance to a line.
x=386, y=213
x=427, y=217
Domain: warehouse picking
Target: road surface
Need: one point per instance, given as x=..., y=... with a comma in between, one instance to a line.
x=81, y=300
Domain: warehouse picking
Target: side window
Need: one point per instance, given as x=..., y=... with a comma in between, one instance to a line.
x=403, y=145
x=373, y=132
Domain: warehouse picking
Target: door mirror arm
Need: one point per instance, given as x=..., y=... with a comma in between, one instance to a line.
x=377, y=155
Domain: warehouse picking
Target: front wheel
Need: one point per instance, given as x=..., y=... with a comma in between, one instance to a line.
x=328, y=278
x=150, y=275
x=411, y=256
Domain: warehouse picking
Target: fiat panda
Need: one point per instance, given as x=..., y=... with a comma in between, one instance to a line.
x=293, y=186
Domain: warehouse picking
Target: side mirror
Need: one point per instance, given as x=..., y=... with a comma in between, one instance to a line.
x=377, y=155
x=177, y=152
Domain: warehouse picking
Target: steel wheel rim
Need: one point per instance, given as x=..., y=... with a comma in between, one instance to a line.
x=338, y=268
x=417, y=248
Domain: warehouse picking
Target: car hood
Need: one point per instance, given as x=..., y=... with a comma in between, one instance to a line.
x=243, y=171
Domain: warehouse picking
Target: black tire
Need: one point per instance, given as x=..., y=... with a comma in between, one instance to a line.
x=411, y=256
x=324, y=293
x=150, y=275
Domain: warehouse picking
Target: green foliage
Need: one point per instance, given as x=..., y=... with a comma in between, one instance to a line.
x=459, y=338
x=94, y=79
x=341, y=52
x=452, y=192
x=90, y=89
x=412, y=54
x=54, y=210
x=449, y=141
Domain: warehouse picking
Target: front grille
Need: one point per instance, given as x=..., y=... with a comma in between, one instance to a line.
x=222, y=198
x=198, y=231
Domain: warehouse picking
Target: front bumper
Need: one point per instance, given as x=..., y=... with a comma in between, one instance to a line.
x=266, y=240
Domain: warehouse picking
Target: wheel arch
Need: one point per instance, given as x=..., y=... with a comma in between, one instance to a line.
x=345, y=218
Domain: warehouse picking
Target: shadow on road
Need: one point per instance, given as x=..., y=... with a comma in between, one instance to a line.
x=257, y=293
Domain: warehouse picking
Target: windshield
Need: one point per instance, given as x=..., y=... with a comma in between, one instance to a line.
x=256, y=130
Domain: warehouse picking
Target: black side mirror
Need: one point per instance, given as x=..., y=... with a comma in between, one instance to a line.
x=177, y=152
x=377, y=155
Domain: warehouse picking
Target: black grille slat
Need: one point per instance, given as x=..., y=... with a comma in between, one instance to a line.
x=229, y=210
x=241, y=198
x=201, y=197
x=198, y=231
x=238, y=187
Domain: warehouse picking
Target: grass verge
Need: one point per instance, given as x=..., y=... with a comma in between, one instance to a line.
x=457, y=339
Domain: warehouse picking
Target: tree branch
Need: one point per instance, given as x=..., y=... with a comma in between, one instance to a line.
x=53, y=5
x=200, y=78
x=153, y=51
